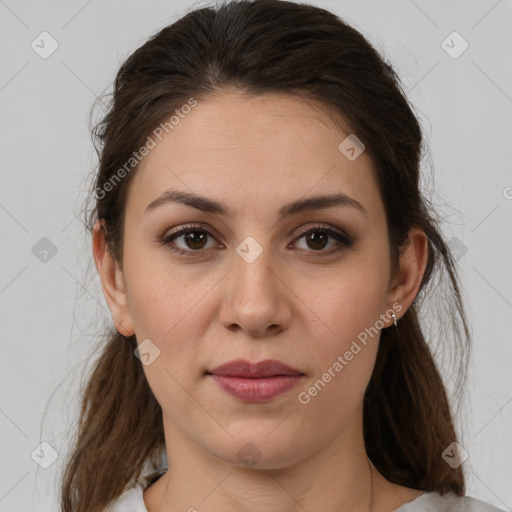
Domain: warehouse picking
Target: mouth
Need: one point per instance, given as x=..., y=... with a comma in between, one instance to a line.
x=255, y=382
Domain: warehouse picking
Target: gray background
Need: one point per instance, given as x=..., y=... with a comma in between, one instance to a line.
x=51, y=310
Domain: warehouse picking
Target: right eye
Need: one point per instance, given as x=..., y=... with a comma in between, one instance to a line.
x=194, y=240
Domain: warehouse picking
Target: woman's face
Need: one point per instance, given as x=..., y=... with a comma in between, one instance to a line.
x=250, y=285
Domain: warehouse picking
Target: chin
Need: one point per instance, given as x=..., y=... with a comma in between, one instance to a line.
x=259, y=451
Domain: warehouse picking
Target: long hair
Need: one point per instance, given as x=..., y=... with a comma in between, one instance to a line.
x=266, y=46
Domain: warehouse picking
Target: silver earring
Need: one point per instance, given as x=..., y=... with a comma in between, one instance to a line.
x=394, y=318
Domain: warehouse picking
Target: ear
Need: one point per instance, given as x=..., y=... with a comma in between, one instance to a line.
x=413, y=262
x=112, y=282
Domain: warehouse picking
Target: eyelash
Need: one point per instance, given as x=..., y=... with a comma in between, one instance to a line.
x=343, y=239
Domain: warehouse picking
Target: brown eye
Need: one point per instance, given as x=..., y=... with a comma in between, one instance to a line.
x=194, y=239
x=316, y=240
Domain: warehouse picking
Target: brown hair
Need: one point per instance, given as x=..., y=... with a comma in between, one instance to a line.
x=266, y=46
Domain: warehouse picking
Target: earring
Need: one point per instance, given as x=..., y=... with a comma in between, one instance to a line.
x=394, y=318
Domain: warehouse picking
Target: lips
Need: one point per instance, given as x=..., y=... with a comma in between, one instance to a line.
x=257, y=370
x=255, y=382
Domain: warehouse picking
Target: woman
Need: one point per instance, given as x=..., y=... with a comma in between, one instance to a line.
x=263, y=247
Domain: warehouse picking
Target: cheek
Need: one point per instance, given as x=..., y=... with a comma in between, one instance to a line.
x=160, y=294
x=351, y=300
x=172, y=307
x=343, y=362
x=349, y=310
x=345, y=358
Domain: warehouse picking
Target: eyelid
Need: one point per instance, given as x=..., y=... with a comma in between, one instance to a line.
x=328, y=227
x=191, y=226
x=302, y=231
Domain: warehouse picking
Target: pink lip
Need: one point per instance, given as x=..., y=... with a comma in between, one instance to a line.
x=255, y=382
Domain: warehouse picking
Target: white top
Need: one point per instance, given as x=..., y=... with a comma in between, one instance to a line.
x=132, y=501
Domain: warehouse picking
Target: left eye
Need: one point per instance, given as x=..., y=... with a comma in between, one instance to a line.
x=195, y=239
x=317, y=238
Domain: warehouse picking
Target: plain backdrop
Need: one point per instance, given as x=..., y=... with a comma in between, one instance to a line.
x=50, y=308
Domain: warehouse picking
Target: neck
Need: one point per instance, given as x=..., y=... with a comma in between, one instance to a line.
x=336, y=477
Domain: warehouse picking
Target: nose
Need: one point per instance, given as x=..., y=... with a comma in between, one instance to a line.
x=256, y=298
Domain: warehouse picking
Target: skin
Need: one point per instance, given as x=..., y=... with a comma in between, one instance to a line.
x=255, y=154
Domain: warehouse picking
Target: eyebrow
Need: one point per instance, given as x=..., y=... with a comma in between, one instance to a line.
x=310, y=203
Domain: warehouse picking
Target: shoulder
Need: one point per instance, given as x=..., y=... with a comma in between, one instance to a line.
x=449, y=502
x=131, y=500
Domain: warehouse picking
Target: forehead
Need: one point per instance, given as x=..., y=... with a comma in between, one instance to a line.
x=255, y=151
